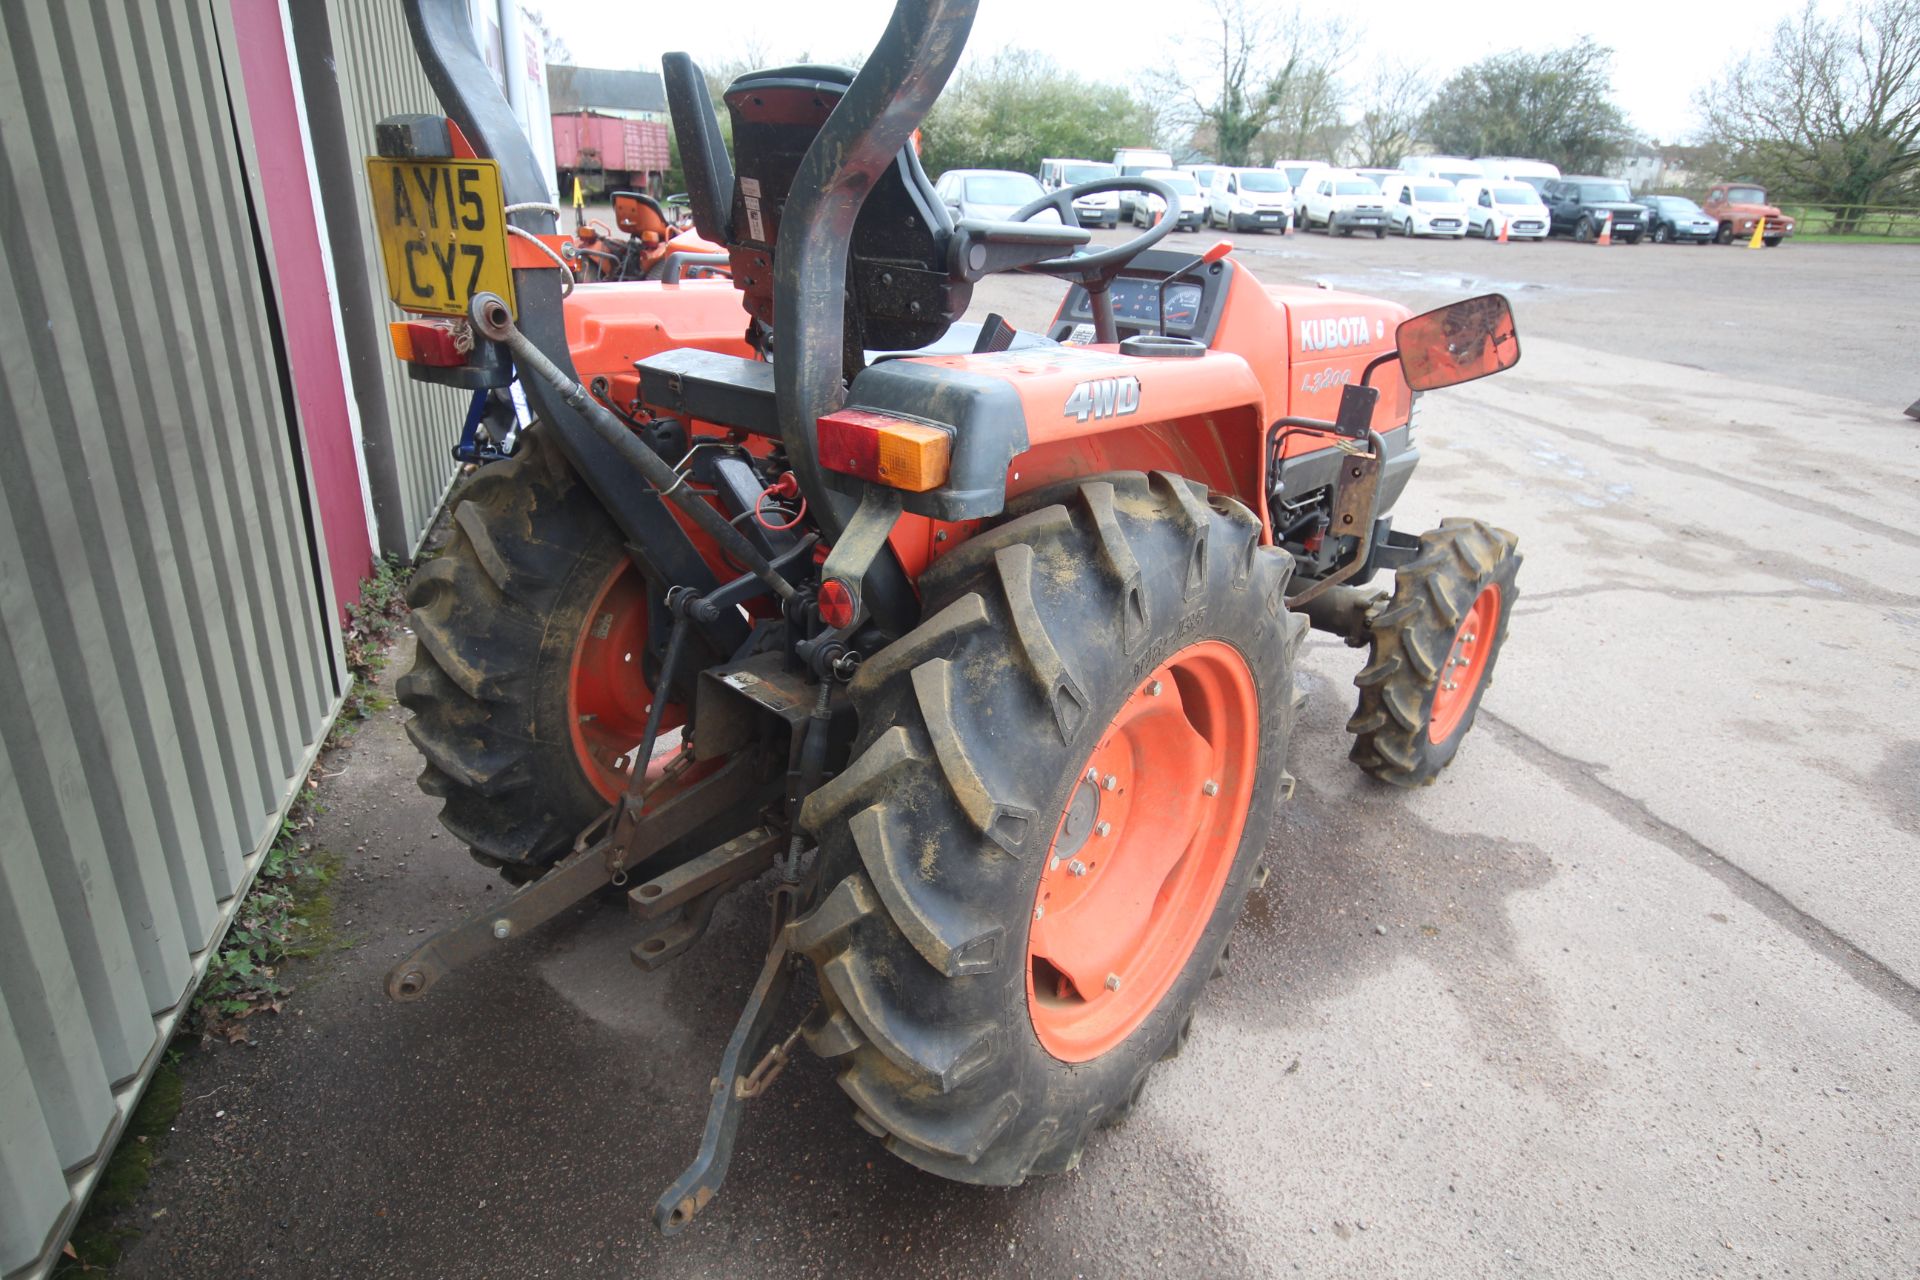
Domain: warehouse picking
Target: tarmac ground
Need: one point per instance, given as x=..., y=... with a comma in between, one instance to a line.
x=1630, y=992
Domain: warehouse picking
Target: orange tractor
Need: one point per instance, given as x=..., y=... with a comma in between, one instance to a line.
x=649, y=245
x=975, y=646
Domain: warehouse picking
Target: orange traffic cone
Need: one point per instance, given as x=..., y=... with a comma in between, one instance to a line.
x=1759, y=234
x=1503, y=231
x=1606, y=231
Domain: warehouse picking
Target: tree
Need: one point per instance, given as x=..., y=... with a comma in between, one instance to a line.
x=1556, y=106
x=1385, y=130
x=1830, y=113
x=1264, y=81
x=1018, y=107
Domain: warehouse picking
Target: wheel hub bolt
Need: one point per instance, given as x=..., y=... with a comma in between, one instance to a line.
x=1103, y=828
x=1468, y=637
x=1153, y=690
x=1110, y=782
x=1078, y=867
x=1053, y=863
x=1449, y=685
x=1113, y=982
x=502, y=930
x=1039, y=911
x=1209, y=788
x=1093, y=774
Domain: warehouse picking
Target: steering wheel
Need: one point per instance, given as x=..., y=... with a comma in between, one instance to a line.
x=1094, y=272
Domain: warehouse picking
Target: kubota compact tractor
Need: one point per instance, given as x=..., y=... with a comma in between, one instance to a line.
x=649, y=245
x=977, y=645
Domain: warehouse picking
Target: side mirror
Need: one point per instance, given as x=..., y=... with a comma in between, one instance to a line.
x=1458, y=343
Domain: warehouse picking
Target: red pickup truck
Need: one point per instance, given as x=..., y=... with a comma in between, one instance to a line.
x=1738, y=206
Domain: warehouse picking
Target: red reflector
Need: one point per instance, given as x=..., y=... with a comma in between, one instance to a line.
x=837, y=604
x=443, y=343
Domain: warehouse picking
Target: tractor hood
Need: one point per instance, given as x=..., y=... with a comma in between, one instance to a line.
x=1331, y=338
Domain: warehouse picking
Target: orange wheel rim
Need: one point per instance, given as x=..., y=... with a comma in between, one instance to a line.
x=607, y=692
x=1466, y=665
x=1142, y=851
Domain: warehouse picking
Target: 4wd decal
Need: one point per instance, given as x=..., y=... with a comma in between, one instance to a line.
x=1104, y=398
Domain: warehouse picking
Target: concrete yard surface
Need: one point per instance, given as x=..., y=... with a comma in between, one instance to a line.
x=1631, y=991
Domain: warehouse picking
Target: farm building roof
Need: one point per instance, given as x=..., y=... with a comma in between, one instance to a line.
x=572, y=89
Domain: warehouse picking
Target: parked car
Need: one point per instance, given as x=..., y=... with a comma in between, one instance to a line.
x=1497, y=202
x=1147, y=207
x=1535, y=173
x=1250, y=200
x=990, y=193
x=1419, y=205
x=1102, y=209
x=1738, y=206
x=1344, y=201
x=1202, y=175
x=1301, y=175
x=1678, y=218
x=1452, y=168
x=1132, y=161
x=1378, y=176
x=1578, y=206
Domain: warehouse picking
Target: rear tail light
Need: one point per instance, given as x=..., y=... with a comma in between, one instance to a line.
x=890, y=451
x=441, y=343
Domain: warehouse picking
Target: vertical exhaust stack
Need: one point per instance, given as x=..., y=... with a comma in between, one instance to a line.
x=881, y=109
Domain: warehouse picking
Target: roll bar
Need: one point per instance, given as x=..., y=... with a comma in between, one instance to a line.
x=443, y=41
x=875, y=118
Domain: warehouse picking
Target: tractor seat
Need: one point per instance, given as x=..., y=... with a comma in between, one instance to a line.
x=910, y=268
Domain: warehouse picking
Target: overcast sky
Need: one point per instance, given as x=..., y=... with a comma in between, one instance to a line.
x=1663, y=51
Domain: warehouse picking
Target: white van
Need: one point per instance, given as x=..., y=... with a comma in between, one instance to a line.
x=1102, y=209
x=1301, y=175
x=1535, y=173
x=1503, y=202
x=1340, y=200
x=1424, y=205
x=1451, y=168
x=1249, y=200
x=1133, y=161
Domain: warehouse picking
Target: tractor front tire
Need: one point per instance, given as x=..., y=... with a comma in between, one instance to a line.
x=1433, y=651
x=1023, y=753
x=503, y=618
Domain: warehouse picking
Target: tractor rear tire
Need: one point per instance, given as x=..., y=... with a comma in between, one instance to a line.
x=1433, y=651
x=499, y=616
x=970, y=773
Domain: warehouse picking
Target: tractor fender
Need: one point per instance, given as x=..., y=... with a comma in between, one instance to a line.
x=1034, y=416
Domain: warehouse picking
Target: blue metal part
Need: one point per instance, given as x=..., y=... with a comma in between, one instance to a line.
x=471, y=447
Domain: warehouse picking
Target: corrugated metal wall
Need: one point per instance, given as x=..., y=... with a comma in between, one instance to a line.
x=378, y=76
x=166, y=664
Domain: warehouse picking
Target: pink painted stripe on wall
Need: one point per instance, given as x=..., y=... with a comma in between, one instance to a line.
x=300, y=279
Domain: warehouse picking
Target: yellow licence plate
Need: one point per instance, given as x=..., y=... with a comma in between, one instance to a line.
x=443, y=232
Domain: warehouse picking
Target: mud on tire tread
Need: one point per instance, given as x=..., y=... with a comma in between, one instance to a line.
x=496, y=615
x=1412, y=638
x=973, y=729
